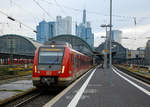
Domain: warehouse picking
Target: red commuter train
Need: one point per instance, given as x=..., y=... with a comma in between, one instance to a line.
x=57, y=64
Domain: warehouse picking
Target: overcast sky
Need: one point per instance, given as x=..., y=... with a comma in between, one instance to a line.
x=28, y=12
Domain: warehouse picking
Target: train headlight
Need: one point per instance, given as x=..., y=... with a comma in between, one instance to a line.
x=63, y=69
x=35, y=68
x=52, y=46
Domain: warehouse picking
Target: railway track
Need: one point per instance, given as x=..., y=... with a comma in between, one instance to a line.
x=6, y=77
x=142, y=78
x=36, y=98
x=20, y=104
x=16, y=98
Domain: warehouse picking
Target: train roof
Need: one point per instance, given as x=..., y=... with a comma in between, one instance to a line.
x=57, y=44
x=76, y=42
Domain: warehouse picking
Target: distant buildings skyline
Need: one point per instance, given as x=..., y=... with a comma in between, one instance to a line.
x=63, y=25
x=47, y=30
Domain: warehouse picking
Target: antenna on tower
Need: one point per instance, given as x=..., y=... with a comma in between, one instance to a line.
x=134, y=18
x=84, y=16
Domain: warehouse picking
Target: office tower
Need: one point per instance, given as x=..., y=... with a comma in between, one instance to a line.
x=63, y=25
x=116, y=36
x=45, y=31
x=84, y=30
x=42, y=31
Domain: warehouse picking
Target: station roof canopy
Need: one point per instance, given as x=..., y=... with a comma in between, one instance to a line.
x=17, y=45
x=115, y=46
x=76, y=42
x=118, y=51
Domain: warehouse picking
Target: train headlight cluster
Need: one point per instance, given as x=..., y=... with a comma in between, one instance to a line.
x=63, y=69
x=52, y=46
x=35, y=68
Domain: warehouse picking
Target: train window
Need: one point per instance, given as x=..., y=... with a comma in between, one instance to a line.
x=75, y=63
x=50, y=57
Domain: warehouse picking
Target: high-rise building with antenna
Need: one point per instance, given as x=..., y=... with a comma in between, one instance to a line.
x=84, y=30
x=84, y=16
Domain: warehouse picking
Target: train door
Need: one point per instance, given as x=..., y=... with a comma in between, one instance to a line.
x=79, y=63
x=75, y=64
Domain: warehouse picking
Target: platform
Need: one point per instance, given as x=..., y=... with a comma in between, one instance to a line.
x=14, y=87
x=104, y=88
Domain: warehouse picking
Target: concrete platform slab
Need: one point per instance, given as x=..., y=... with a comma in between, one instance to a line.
x=106, y=89
x=13, y=88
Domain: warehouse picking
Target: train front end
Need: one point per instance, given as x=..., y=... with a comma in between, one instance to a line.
x=47, y=65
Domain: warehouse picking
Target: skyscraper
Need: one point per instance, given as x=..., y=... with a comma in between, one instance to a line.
x=84, y=30
x=45, y=31
x=63, y=25
x=84, y=16
x=52, y=29
x=42, y=31
x=116, y=35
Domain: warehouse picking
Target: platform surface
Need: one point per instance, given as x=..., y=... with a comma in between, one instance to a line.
x=14, y=87
x=106, y=88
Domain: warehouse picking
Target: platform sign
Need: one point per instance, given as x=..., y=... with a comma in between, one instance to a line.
x=105, y=50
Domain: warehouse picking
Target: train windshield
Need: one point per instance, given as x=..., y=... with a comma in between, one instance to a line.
x=50, y=57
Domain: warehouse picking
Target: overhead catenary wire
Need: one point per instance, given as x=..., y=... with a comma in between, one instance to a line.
x=80, y=10
x=48, y=14
x=13, y=19
x=91, y=12
x=34, y=18
x=16, y=20
x=98, y=13
x=61, y=8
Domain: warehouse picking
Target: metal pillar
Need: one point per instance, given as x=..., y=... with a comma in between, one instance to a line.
x=105, y=46
x=105, y=57
x=110, y=34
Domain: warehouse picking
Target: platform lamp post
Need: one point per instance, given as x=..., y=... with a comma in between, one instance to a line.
x=105, y=48
x=110, y=37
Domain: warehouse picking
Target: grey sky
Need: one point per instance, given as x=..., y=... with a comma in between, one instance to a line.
x=29, y=13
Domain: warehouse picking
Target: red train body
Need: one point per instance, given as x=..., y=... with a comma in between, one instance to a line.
x=58, y=65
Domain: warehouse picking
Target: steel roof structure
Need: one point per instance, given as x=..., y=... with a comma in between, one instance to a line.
x=17, y=45
x=119, y=52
